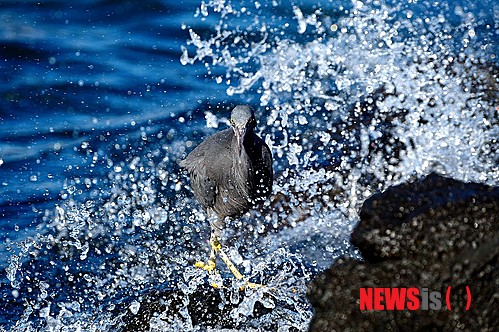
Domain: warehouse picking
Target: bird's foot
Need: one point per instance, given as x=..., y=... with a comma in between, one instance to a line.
x=252, y=285
x=209, y=266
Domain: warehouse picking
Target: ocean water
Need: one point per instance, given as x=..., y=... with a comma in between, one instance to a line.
x=99, y=99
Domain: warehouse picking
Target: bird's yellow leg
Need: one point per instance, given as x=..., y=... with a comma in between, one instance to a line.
x=228, y=262
x=209, y=266
x=217, y=247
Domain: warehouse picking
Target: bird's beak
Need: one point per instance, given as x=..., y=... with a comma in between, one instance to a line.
x=240, y=133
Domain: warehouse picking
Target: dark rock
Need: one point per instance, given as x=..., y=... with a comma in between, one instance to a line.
x=204, y=307
x=431, y=234
x=437, y=215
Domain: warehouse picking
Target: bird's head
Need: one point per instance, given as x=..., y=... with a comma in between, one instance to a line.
x=242, y=120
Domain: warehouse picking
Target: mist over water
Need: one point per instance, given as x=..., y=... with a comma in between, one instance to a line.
x=352, y=97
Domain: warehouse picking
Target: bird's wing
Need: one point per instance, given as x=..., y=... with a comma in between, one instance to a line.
x=202, y=164
x=202, y=185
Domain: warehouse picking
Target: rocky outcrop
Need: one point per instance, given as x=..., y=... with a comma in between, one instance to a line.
x=430, y=234
x=169, y=308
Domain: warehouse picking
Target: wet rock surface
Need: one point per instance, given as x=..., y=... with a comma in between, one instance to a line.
x=193, y=304
x=429, y=234
x=165, y=307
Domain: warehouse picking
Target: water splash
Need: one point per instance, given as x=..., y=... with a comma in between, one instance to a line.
x=354, y=98
x=414, y=71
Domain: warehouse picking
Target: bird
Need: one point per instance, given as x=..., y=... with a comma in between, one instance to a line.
x=230, y=173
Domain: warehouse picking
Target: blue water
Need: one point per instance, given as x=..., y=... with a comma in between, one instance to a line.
x=98, y=99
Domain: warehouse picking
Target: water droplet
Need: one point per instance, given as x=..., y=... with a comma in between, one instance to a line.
x=134, y=307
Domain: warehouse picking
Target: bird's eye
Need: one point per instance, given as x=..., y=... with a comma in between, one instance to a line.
x=232, y=122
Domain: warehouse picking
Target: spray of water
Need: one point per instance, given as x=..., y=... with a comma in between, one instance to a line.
x=353, y=99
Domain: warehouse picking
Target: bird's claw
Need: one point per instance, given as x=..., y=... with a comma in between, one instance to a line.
x=209, y=266
x=252, y=285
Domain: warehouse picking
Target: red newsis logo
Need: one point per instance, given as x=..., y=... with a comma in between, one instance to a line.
x=400, y=298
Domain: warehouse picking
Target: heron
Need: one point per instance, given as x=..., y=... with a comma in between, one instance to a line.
x=230, y=173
